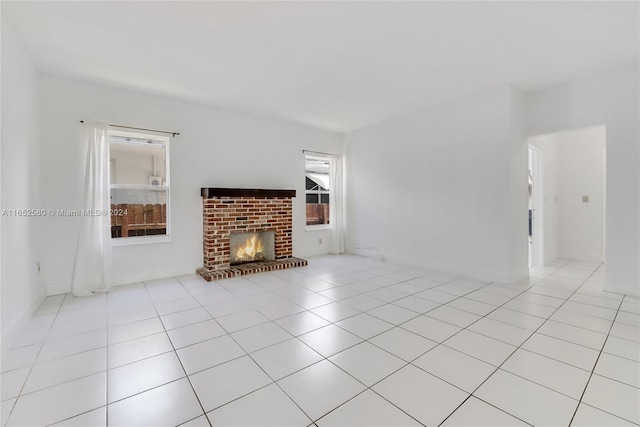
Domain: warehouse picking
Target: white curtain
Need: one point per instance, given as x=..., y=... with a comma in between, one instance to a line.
x=92, y=270
x=336, y=204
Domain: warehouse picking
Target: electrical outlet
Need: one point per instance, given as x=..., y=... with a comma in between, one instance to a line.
x=320, y=241
x=585, y=199
x=38, y=265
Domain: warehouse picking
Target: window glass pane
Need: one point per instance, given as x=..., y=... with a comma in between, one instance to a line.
x=140, y=163
x=317, y=184
x=138, y=212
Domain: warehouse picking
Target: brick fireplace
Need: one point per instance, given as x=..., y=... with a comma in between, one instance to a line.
x=227, y=211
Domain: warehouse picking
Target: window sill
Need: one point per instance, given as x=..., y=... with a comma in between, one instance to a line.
x=139, y=240
x=318, y=227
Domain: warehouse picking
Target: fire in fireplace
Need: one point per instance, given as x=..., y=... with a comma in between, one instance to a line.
x=250, y=247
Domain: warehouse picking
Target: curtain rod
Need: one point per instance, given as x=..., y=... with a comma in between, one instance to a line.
x=317, y=152
x=148, y=130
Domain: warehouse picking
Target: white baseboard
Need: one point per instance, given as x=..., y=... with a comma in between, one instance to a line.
x=483, y=275
x=127, y=279
x=13, y=330
x=580, y=257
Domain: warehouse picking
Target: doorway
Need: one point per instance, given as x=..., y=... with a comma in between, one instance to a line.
x=567, y=196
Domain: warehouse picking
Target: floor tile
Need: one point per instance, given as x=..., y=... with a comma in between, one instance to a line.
x=335, y=312
x=312, y=300
x=564, y=351
x=138, y=349
x=365, y=410
x=242, y=320
x=95, y=418
x=582, y=321
x=392, y=314
x=538, y=298
x=277, y=310
x=19, y=357
x=476, y=413
x=30, y=337
x=143, y=375
x=6, y=406
x=206, y=354
x=623, y=348
x=184, y=318
x=12, y=382
x=320, y=388
x=516, y=318
x=364, y=325
x=54, y=404
x=591, y=310
x=201, y=421
x=532, y=403
x=367, y=363
x=301, y=323
x=402, y=343
x=501, y=331
x=329, y=340
x=558, y=376
x=269, y=406
x=472, y=306
x=134, y=330
x=484, y=348
x=454, y=316
x=430, y=328
x=613, y=397
x=454, y=367
x=619, y=369
x=223, y=383
x=65, y=369
x=533, y=309
x=488, y=297
x=435, y=296
x=176, y=306
x=418, y=305
x=167, y=405
x=195, y=333
x=285, y=358
x=627, y=332
x=362, y=302
x=257, y=337
x=574, y=334
x=631, y=319
x=593, y=417
x=427, y=398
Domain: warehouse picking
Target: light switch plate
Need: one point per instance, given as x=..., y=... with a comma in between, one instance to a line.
x=585, y=199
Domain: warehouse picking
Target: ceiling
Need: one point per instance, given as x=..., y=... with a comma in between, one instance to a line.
x=338, y=66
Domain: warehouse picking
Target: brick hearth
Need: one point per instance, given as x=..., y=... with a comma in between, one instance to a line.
x=230, y=210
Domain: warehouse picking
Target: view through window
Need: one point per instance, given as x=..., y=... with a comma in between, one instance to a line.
x=317, y=184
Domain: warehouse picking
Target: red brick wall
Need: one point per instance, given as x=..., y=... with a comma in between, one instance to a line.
x=225, y=215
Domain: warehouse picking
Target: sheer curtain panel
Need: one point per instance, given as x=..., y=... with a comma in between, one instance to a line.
x=92, y=270
x=336, y=204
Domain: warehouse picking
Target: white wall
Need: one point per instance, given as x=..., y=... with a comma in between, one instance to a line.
x=22, y=289
x=446, y=187
x=581, y=172
x=216, y=148
x=573, y=163
x=610, y=99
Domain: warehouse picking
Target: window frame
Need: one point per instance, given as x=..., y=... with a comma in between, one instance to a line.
x=319, y=193
x=156, y=238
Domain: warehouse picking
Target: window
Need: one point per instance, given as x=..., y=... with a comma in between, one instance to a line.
x=139, y=187
x=317, y=189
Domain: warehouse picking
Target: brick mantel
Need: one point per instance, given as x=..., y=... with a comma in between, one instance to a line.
x=238, y=210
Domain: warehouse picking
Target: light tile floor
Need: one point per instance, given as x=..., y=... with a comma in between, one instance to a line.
x=345, y=341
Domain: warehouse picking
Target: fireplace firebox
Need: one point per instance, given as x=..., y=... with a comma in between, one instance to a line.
x=250, y=247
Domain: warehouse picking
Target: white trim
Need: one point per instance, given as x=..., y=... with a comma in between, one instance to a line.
x=575, y=256
x=483, y=275
x=127, y=279
x=318, y=227
x=15, y=327
x=140, y=240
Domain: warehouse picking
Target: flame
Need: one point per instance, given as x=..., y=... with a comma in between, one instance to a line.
x=251, y=247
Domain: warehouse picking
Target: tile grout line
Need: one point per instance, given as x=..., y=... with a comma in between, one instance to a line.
x=584, y=390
